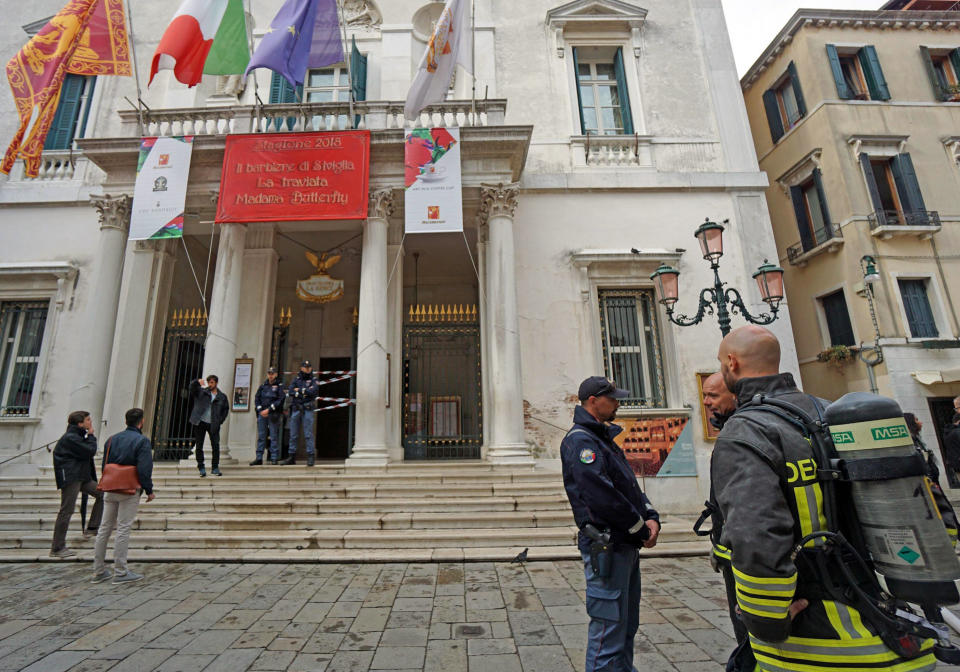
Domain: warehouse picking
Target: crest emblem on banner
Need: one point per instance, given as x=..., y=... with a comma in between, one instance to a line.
x=320, y=287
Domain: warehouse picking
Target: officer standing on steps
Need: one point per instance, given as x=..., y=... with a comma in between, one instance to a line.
x=764, y=477
x=269, y=402
x=615, y=519
x=303, y=393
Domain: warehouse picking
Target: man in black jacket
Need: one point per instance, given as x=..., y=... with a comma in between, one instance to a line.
x=604, y=492
x=303, y=393
x=129, y=447
x=73, y=466
x=269, y=402
x=210, y=410
x=951, y=447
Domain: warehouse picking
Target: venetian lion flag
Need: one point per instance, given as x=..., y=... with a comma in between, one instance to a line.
x=450, y=45
x=204, y=37
x=87, y=37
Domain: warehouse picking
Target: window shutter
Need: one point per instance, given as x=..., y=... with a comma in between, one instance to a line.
x=916, y=304
x=871, y=181
x=624, y=94
x=803, y=222
x=938, y=90
x=907, y=183
x=576, y=85
x=64, y=125
x=358, y=70
x=838, y=319
x=282, y=92
x=773, y=115
x=842, y=89
x=876, y=82
x=955, y=62
x=824, y=210
x=797, y=91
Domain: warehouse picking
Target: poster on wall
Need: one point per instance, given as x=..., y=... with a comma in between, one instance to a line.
x=242, y=379
x=658, y=447
x=284, y=177
x=161, y=188
x=433, y=200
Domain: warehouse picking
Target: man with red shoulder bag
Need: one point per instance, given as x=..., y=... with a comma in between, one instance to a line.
x=129, y=448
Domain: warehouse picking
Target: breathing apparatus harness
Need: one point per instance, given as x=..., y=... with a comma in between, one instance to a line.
x=837, y=568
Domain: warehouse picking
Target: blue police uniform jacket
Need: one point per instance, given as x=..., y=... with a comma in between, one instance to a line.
x=303, y=392
x=600, y=484
x=270, y=396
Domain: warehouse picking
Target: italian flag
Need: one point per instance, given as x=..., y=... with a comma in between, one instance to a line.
x=204, y=37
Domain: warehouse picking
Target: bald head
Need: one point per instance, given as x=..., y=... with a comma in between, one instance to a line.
x=717, y=399
x=748, y=352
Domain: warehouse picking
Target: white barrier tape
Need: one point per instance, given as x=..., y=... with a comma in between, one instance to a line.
x=348, y=402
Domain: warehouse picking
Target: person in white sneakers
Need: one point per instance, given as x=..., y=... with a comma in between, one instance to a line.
x=129, y=447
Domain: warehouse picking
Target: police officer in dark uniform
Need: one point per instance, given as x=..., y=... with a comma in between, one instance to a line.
x=303, y=393
x=269, y=402
x=607, y=500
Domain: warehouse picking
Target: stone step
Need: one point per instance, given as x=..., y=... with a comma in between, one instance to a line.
x=51, y=504
x=351, y=555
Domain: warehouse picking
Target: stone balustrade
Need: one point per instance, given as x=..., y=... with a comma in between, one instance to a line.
x=300, y=117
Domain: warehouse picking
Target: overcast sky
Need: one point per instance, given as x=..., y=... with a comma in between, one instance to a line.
x=754, y=23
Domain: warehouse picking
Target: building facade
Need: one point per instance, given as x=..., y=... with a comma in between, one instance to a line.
x=855, y=117
x=581, y=176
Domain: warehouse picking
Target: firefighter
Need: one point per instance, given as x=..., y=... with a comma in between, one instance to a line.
x=764, y=476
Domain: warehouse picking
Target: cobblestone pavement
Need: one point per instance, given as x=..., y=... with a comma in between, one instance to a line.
x=476, y=617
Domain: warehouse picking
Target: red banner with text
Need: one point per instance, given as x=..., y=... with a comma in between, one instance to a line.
x=295, y=176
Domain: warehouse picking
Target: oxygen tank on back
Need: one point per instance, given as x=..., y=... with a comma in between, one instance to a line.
x=898, y=518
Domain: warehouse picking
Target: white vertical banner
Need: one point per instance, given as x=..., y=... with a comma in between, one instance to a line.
x=433, y=201
x=161, y=189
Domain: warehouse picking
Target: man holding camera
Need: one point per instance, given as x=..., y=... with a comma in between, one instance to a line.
x=210, y=409
x=615, y=519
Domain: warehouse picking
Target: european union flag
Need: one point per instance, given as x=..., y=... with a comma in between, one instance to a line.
x=285, y=48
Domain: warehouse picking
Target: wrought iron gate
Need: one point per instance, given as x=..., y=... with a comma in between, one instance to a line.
x=183, y=348
x=442, y=404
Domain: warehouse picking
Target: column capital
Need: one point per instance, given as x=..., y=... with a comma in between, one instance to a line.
x=114, y=211
x=498, y=200
x=165, y=246
x=381, y=204
x=260, y=236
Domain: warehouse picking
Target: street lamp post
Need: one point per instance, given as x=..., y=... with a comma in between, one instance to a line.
x=719, y=299
x=871, y=355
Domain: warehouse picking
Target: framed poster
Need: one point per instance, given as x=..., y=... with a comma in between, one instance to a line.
x=657, y=446
x=710, y=433
x=242, y=378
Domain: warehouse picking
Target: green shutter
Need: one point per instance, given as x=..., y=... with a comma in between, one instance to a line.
x=576, y=85
x=773, y=115
x=872, y=187
x=282, y=92
x=955, y=62
x=797, y=91
x=842, y=89
x=838, y=319
x=938, y=90
x=358, y=72
x=622, y=90
x=803, y=222
x=824, y=210
x=873, y=73
x=904, y=173
x=916, y=305
x=64, y=124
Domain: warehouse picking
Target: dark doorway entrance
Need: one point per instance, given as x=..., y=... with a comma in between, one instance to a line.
x=333, y=427
x=941, y=408
x=183, y=348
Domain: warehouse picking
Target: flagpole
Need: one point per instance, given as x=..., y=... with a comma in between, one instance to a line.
x=473, y=59
x=347, y=57
x=256, y=91
x=136, y=70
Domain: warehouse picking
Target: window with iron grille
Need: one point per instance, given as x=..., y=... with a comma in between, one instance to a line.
x=631, y=345
x=21, y=337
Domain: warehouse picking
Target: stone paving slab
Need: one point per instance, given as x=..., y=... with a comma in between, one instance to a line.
x=429, y=617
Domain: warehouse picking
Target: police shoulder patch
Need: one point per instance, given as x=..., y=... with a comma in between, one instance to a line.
x=587, y=456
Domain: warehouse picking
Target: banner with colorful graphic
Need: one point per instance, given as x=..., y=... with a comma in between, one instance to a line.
x=283, y=177
x=658, y=446
x=433, y=202
x=161, y=189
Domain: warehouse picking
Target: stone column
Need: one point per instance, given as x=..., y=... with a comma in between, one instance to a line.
x=484, y=324
x=101, y=312
x=258, y=290
x=395, y=318
x=138, y=338
x=224, y=310
x=506, y=434
x=370, y=442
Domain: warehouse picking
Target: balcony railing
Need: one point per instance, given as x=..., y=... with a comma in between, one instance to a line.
x=886, y=218
x=829, y=241
x=299, y=117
